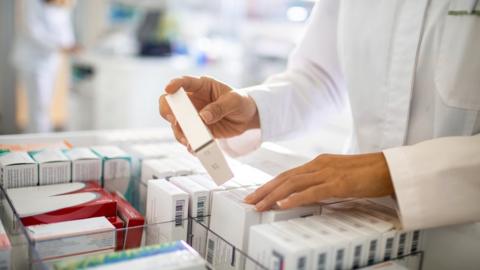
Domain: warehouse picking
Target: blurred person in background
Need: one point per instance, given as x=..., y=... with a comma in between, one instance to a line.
x=46, y=31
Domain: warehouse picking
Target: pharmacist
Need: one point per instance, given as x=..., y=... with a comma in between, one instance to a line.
x=410, y=72
x=46, y=31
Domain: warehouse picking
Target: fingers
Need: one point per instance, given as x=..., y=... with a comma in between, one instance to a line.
x=264, y=190
x=178, y=133
x=189, y=83
x=165, y=110
x=294, y=184
x=220, y=108
x=311, y=195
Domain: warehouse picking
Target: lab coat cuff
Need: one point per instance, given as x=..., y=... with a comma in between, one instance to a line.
x=243, y=144
x=407, y=194
x=262, y=97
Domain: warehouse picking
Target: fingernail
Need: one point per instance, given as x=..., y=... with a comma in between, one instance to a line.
x=282, y=203
x=183, y=140
x=260, y=206
x=249, y=198
x=206, y=116
x=170, y=118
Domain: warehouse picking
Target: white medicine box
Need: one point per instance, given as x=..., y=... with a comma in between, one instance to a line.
x=17, y=169
x=115, y=162
x=86, y=166
x=53, y=167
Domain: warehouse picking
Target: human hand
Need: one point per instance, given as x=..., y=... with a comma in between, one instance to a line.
x=327, y=176
x=72, y=49
x=226, y=113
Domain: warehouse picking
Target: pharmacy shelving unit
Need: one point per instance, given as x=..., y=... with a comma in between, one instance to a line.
x=24, y=252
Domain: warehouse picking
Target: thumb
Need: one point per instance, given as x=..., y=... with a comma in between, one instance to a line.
x=218, y=109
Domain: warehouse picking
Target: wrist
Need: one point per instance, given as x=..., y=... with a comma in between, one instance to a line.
x=254, y=122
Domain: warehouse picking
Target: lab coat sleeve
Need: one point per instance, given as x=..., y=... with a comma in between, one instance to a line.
x=309, y=91
x=437, y=182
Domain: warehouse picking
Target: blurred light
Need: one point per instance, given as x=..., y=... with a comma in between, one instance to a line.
x=297, y=14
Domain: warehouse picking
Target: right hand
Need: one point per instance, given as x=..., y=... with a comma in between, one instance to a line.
x=226, y=113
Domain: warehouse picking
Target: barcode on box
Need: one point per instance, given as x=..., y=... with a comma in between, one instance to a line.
x=416, y=238
x=357, y=256
x=179, y=208
x=277, y=261
x=302, y=263
x=321, y=264
x=388, y=249
x=210, y=250
x=339, y=259
x=201, y=208
x=401, y=244
x=373, y=249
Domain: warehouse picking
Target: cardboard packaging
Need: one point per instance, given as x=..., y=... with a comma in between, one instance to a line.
x=5, y=249
x=70, y=238
x=357, y=241
x=338, y=246
x=115, y=161
x=320, y=247
x=27, y=147
x=56, y=203
x=176, y=255
x=394, y=243
x=119, y=230
x=231, y=218
x=116, y=167
x=53, y=167
x=373, y=238
x=384, y=228
x=286, y=214
x=199, y=137
x=198, y=207
x=205, y=181
x=85, y=164
x=133, y=220
x=158, y=150
x=168, y=167
x=276, y=250
x=167, y=212
x=17, y=169
x=247, y=175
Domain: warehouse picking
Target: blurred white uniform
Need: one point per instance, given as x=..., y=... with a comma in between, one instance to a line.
x=45, y=30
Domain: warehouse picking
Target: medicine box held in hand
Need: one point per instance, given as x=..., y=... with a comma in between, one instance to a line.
x=199, y=137
x=53, y=167
x=17, y=169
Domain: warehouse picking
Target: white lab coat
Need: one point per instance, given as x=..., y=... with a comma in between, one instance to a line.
x=411, y=76
x=44, y=30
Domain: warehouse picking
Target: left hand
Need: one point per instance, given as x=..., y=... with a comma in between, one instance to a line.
x=327, y=176
x=72, y=49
